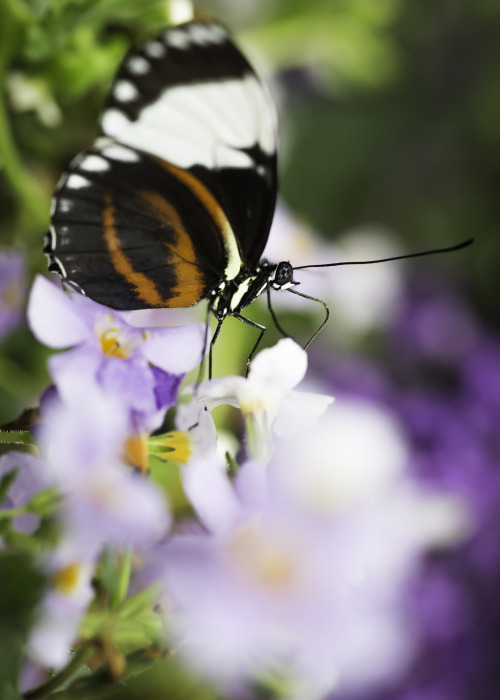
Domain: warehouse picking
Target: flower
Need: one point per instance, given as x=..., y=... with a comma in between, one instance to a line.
x=105, y=502
x=31, y=478
x=448, y=407
x=141, y=366
x=267, y=397
x=310, y=583
x=12, y=289
x=69, y=570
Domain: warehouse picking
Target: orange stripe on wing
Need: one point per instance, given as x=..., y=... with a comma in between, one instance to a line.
x=144, y=288
x=214, y=209
x=190, y=284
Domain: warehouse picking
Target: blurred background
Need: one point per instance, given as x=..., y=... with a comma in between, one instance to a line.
x=389, y=121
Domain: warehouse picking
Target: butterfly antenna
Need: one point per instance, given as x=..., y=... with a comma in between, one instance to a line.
x=451, y=249
x=319, y=301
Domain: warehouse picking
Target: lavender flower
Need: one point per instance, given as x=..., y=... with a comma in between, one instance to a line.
x=141, y=366
x=31, y=478
x=448, y=406
x=12, y=289
x=106, y=502
x=307, y=581
x=70, y=570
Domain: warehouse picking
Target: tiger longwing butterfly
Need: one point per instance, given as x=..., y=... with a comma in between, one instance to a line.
x=174, y=201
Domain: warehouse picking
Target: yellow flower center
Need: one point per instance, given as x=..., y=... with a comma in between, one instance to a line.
x=111, y=344
x=136, y=451
x=66, y=579
x=263, y=559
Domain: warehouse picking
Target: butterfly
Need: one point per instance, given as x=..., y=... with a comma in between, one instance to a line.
x=174, y=201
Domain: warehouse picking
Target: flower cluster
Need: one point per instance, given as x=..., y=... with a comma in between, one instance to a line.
x=443, y=387
x=284, y=566
x=112, y=386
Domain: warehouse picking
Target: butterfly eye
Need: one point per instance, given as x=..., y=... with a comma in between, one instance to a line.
x=283, y=274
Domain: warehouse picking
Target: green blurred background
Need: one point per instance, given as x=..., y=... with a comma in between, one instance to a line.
x=389, y=116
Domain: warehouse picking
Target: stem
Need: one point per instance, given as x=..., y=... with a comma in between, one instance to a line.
x=13, y=512
x=80, y=658
x=125, y=569
x=27, y=189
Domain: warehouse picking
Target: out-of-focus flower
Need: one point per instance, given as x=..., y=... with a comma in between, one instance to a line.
x=141, y=366
x=267, y=397
x=105, y=501
x=195, y=436
x=361, y=297
x=449, y=407
x=311, y=583
x=69, y=571
x=12, y=289
x=31, y=477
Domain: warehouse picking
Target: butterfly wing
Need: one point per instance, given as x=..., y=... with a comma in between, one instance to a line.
x=181, y=189
x=121, y=231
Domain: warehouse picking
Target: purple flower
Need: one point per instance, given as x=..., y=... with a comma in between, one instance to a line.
x=141, y=366
x=12, y=289
x=442, y=384
x=301, y=568
x=70, y=572
x=105, y=501
x=31, y=478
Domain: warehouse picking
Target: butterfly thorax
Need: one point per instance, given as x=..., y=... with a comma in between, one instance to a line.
x=232, y=296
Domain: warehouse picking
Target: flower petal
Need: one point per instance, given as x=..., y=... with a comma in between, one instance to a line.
x=283, y=365
x=53, y=317
x=175, y=350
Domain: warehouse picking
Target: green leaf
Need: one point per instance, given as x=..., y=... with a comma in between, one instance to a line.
x=6, y=482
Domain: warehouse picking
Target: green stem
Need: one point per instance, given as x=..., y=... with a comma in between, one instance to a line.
x=123, y=579
x=13, y=512
x=27, y=189
x=80, y=659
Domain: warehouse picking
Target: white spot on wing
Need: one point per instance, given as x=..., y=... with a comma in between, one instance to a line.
x=77, y=182
x=205, y=34
x=94, y=164
x=64, y=206
x=117, y=152
x=125, y=91
x=155, y=49
x=177, y=38
x=138, y=65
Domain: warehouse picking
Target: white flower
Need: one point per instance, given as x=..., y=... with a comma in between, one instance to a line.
x=267, y=397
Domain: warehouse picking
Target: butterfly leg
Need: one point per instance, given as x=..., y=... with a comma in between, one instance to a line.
x=319, y=301
x=273, y=315
x=262, y=330
x=212, y=343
